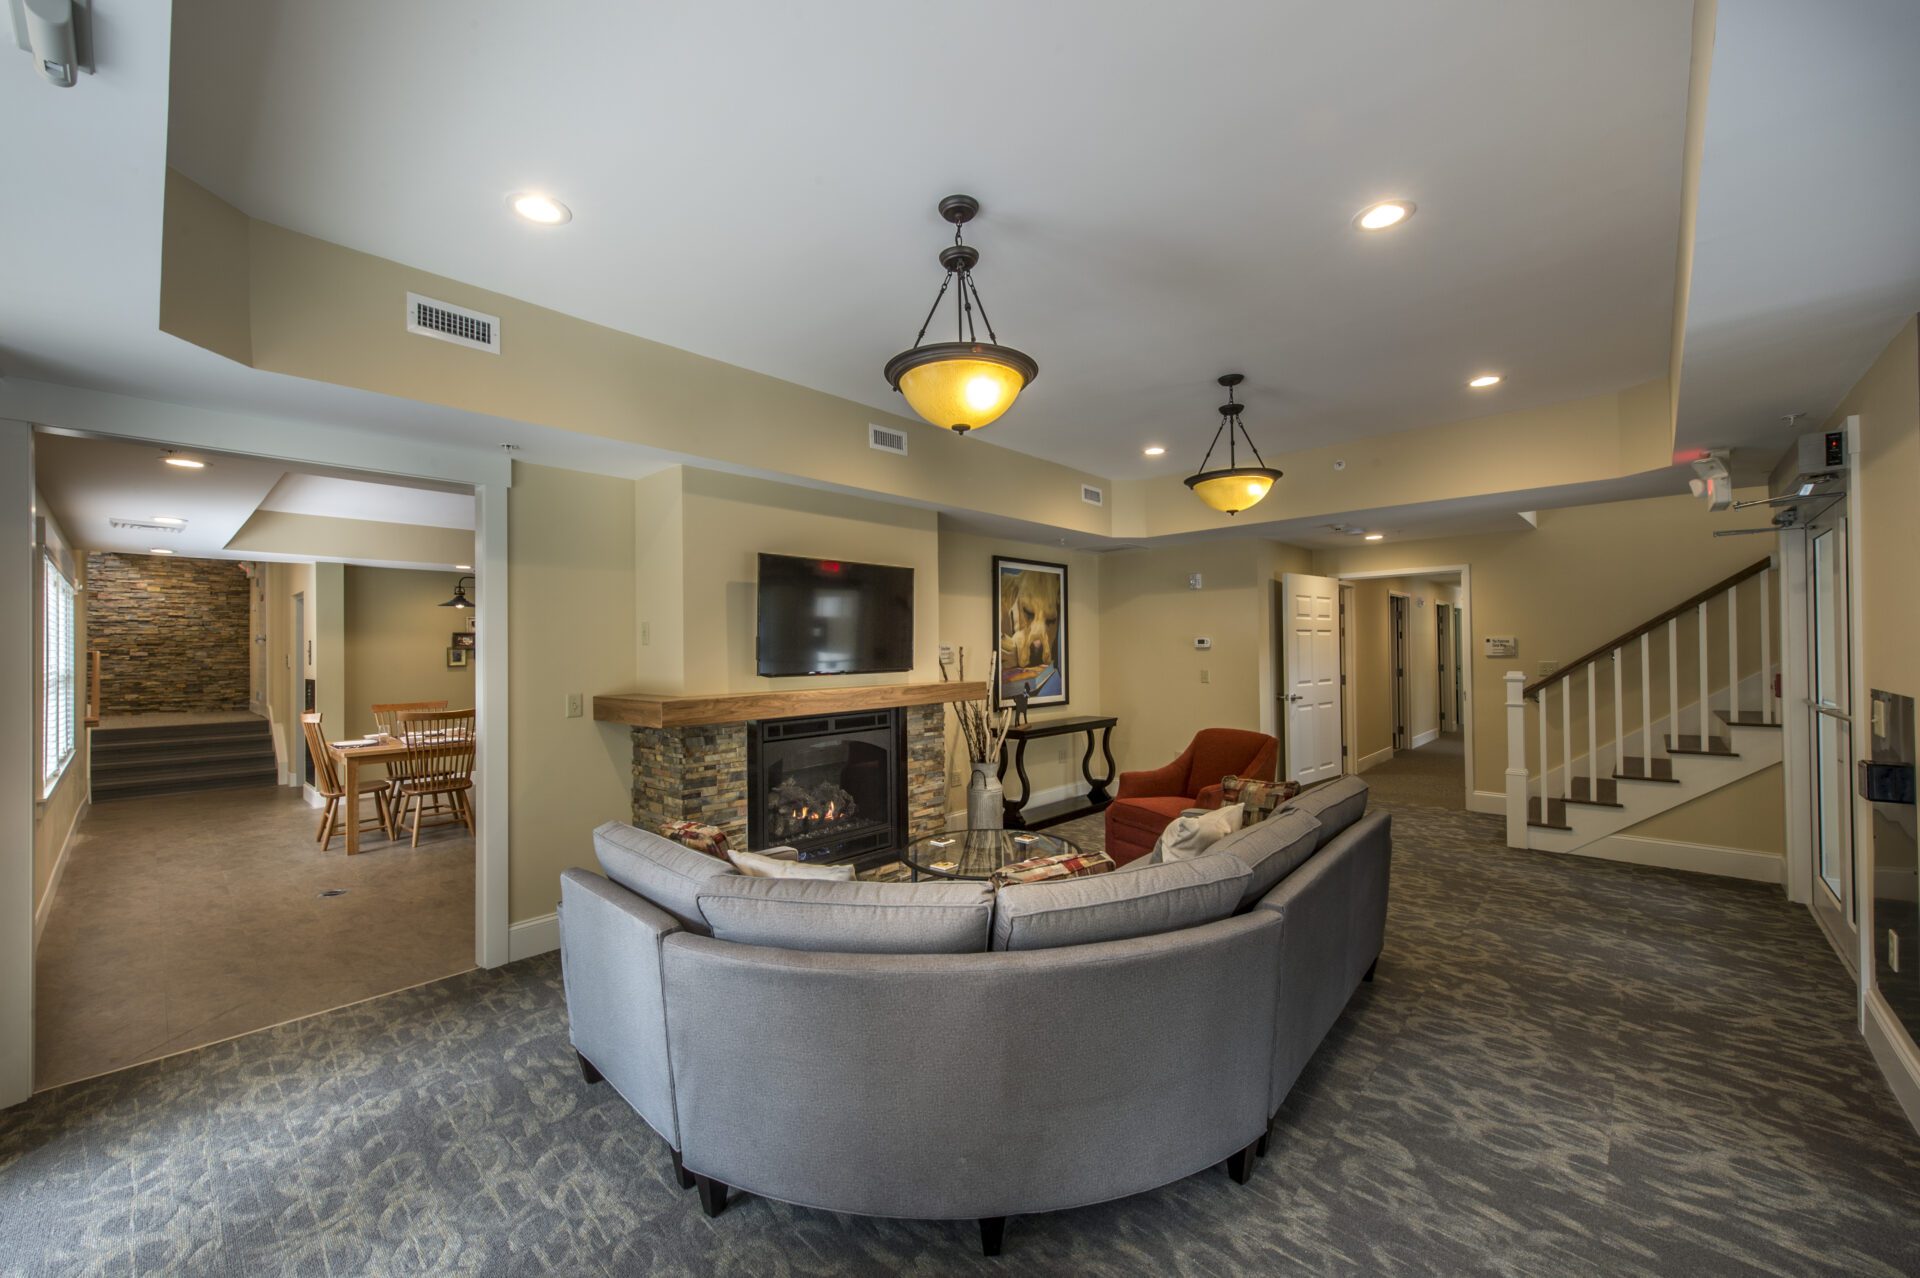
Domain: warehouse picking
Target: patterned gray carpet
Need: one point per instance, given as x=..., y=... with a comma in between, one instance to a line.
x=1565, y=1067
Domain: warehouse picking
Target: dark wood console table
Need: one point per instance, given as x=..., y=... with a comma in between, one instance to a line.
x=1094, y=800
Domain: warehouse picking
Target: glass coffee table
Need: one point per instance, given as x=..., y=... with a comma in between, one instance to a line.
x=976, y=854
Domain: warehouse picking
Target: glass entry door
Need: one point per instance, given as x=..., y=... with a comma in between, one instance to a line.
x=1830, y=703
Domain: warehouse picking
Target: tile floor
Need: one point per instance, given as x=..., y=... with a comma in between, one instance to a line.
x=187, y=919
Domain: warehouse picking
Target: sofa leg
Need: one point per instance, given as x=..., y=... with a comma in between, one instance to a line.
x=1370, y=967
x=1266, y=1137
x=587, y=1071
x=713, y=1194
x=1240, y=1164
x=993, y=1230
x=680, y=1172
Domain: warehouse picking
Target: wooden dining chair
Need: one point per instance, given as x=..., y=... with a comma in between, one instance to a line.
x=326, y=779
x=384, y=711
x=438, y=762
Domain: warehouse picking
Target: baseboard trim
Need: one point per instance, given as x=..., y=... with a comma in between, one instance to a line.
x=1373, y=760
x=1695, y=858
x=1896, y=1055
x=45, y=908
x=1491, y=802
x=1425, y=738
x=533, y=936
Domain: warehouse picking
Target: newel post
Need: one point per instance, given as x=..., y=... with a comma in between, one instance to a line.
x=1517, y=759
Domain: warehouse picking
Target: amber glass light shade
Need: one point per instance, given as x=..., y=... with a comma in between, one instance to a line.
x=961, y=386
x=1232, y=491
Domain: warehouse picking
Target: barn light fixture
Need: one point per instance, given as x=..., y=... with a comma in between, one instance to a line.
x=459, y=599
x=1233, y=487
x=964, y=384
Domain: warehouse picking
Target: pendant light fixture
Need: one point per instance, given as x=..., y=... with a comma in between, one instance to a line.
x=459, y=599
x=1234, y=487
x=966, y=383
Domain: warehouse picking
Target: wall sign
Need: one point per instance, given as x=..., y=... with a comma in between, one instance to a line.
x=1501, y=646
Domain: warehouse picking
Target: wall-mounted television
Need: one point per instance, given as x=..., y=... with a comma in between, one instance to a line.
x=830, y=616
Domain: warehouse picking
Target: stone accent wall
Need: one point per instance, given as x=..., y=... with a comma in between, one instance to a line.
x=172, y=632
x=700, y=774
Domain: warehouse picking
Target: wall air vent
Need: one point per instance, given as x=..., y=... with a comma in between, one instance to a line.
x=449, y=323
x=1093, y=496
x=887, y=439
x=143, y=525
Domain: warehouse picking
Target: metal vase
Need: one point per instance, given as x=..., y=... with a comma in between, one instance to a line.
x=985, y=809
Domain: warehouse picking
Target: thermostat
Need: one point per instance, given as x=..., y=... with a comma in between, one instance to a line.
x=1203, y=644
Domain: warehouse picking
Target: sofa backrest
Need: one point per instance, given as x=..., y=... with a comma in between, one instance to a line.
x=832, y=916
x=658, y=869
x=1336, y=805
x=1271, y=850
x=1111, y=907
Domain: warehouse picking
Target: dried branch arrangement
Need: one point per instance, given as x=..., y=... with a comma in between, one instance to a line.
x=986, y=734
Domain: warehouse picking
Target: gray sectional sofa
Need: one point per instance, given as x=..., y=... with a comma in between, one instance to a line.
x=946, y=1051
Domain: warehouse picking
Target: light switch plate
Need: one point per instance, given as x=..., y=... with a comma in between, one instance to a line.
x=574, y=705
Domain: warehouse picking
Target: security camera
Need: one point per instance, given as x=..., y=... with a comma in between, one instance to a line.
x=55, y=33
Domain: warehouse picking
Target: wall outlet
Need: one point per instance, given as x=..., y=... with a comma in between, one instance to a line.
x=1204, y=678
x=574, y=705
x=646, y=633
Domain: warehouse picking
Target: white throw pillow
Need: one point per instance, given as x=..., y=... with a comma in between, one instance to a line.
x=1192, y=834
x=761, y=866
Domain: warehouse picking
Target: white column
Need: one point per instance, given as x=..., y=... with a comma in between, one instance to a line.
x=1706, y=697
x=1646, y=701
x=1767, y=709
x=19, y=645
x=1517, y=758
x=1733, y=653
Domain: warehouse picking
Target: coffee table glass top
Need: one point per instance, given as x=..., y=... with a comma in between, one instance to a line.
x=976, y=854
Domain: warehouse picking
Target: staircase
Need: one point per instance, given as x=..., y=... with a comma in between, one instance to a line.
x=137, y=762
x=1587, y=757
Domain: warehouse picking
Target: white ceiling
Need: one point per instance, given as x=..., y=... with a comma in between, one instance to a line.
x=88, y=483
x=1168, y=188
x=1806, y=259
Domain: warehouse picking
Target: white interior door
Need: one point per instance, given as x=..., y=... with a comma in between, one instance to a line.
x=1831, y=708
x=1311, y=723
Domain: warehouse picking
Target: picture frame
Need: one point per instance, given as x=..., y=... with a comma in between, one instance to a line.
x=1030, y=631
x=457, y=658
x=464, y=639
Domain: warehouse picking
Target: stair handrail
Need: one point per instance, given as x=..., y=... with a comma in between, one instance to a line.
x=1532, y=690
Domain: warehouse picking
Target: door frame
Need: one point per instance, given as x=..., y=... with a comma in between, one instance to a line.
x=1491, y=801
x=1349, y=729
x=69, y=410
x=1399, y=649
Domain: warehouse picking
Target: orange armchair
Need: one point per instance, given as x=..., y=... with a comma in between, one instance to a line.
x=1147, y=802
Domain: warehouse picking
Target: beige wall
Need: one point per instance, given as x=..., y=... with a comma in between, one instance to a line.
x=286, y=655
x=397, y=638
x=571, y=622
x=1370, y=682
x=967, y=605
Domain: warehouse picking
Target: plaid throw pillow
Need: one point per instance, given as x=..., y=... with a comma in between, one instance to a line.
x=710, y=839
x=1042, y=869
x=1263, y=798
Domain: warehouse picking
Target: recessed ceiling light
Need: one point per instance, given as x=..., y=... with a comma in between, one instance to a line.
x=543, y=209
x=1485, y=380
x=1154, y=450
x=1375, y=537
x=185, y=463
x=158, y=550
x=463, y=567
x=1378, y=217
x=171, y=521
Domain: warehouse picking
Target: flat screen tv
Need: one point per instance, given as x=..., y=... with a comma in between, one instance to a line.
x=829, y=616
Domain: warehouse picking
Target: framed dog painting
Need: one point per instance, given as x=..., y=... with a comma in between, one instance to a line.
x=1031, y=631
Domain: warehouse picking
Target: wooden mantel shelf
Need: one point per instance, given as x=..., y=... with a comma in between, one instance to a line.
x=680, y=710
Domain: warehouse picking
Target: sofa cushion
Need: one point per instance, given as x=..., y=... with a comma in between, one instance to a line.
x=1113, y=907
x=760, y=865
x=1336, y=805
x=849, y=918
x=1194, y=831
x=1271, y=849
x=657, y=868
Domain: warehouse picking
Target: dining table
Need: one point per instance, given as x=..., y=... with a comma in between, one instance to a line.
x=381, y=747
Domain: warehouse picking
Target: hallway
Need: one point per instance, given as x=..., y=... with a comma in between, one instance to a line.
x=1433, y=776
x=182, y=920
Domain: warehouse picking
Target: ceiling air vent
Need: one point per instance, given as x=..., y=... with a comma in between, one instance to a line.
x=143, y=525
x=1092, y=496
x=887, y=439
x=449, y=323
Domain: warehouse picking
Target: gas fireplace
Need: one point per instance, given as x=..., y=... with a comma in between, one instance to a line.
x=833, y=787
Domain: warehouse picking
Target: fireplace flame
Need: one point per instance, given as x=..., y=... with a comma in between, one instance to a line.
x=807, y=812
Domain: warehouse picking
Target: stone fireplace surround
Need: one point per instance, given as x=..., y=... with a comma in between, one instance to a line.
x=690, y=752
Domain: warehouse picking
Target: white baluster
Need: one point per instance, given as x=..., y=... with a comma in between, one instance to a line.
x=1593, y=728
x=1646, y=703
x=1566, y=738
x=1766, y=652
x=1733, y=654
x=1545, y=694
x=1517, y=759
x=1704, y=685
x=1619, y=719
x=1673, y=677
